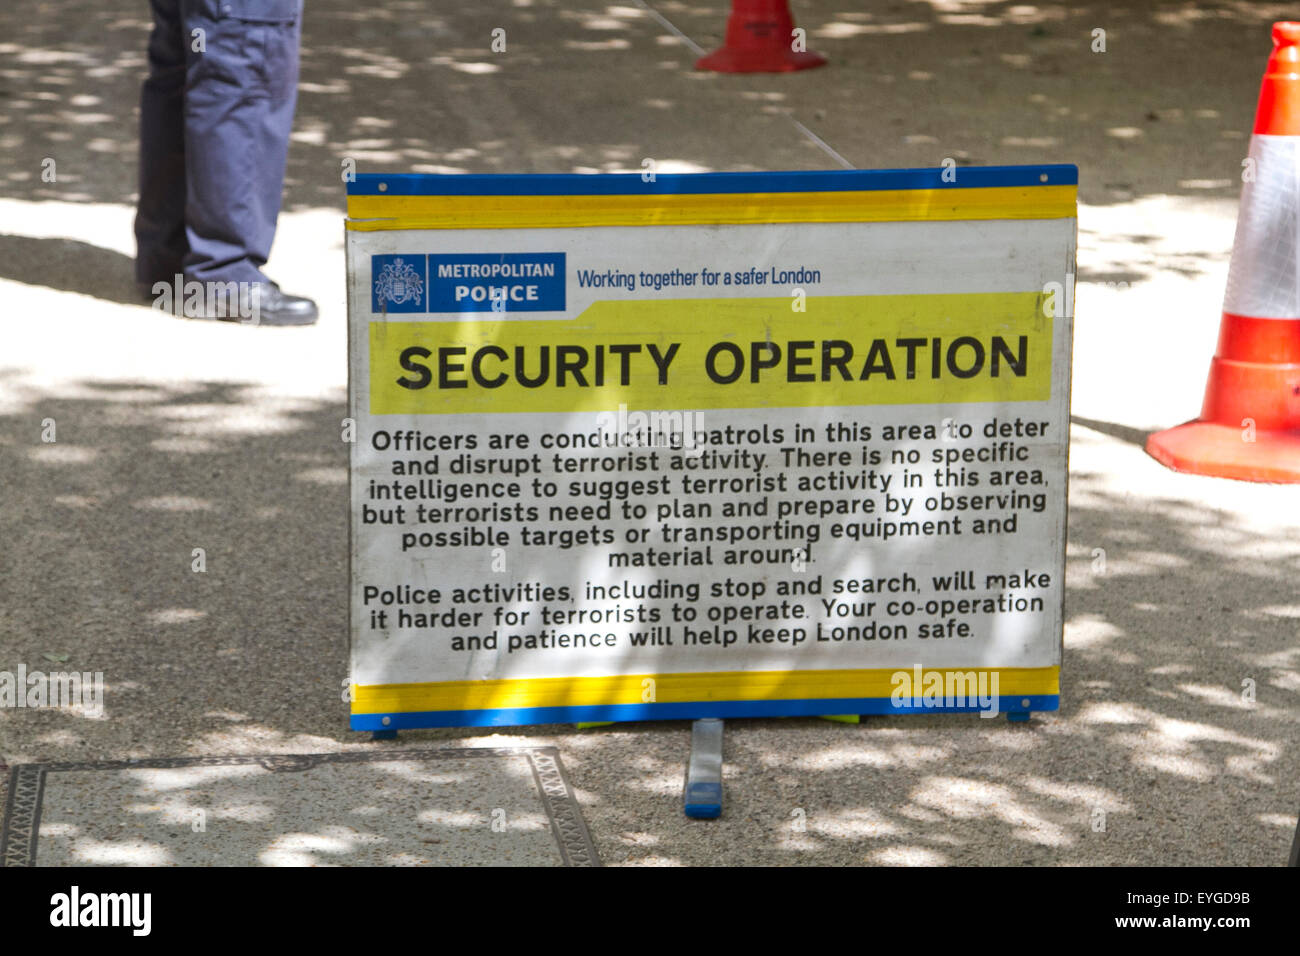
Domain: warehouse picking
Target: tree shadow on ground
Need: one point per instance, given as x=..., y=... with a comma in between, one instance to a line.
x=402, y=86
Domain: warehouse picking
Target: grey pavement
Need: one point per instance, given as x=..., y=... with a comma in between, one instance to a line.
x=175, y=435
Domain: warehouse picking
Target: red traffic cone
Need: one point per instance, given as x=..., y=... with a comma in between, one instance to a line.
x=1250, y=422
x=760, y=39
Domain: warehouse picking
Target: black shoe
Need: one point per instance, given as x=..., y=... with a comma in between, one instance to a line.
x=274, y=307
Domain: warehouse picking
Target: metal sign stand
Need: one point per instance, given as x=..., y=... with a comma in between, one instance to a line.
x=703, y=793
x=1295, y=848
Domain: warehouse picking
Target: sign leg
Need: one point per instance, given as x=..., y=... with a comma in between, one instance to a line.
x=1295, y=848
x=703, y=794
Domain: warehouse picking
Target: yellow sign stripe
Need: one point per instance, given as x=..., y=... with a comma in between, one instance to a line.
x=369, y=213
x=694, y=326
x=677, y=688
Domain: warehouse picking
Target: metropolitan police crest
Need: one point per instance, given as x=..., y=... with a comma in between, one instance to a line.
x=398, y=282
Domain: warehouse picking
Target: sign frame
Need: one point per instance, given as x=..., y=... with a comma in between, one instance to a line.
x=384, y=203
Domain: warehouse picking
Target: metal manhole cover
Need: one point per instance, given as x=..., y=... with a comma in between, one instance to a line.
x=475, y=806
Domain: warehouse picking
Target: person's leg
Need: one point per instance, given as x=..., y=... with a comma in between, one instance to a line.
x=160, y=212
x=281, y=65
x=239, y=102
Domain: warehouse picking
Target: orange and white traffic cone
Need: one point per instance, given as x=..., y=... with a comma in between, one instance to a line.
x=1250, y=422
x=760, y=39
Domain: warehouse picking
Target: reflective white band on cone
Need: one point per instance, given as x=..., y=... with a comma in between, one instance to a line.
x=1264, y=275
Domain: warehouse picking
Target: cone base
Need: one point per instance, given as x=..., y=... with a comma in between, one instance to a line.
x=1204, y=448
x=779, y=60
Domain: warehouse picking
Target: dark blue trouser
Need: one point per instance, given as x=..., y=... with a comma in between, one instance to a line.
x=215, y=115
